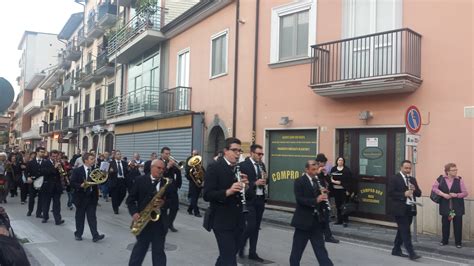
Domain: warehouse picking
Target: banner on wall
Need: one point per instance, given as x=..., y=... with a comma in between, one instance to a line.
x=288, y=152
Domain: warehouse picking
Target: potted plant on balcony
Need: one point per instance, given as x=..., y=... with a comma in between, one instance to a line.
x=146, y=9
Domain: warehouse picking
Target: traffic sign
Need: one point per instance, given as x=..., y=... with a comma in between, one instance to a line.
x=412, y=140
x=413, y=119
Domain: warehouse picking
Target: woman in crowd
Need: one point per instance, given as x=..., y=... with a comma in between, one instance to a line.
x=341, y=177
x=452, y=191
x=13, y=172
x=3, y=178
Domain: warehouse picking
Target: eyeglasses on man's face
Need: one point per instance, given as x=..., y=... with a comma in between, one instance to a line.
x=236, y=150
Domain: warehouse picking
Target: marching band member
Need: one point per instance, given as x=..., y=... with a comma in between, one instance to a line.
x=118, y=173
x=194, y=190
x=307, y=220
x=52, y=187
x=172, y=172
x=85, y=199
x=33, y=171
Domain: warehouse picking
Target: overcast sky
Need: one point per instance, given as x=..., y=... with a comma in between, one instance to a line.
x=34, y=15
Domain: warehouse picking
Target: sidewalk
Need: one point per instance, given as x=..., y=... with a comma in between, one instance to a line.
x=375, y=234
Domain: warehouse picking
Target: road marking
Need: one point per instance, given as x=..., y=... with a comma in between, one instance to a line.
x=28, y=230
x=388, y=250
x=51, y=257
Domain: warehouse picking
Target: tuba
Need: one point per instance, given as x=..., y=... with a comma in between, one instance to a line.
x=151, y=212
x=197, y=171
x=98, y=177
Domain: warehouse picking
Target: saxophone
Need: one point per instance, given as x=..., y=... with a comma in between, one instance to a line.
x=151, y=212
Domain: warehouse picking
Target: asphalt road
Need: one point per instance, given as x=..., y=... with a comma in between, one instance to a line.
x=48, y=244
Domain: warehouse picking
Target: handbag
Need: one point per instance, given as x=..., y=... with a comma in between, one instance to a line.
x=208, y=219
x=433, y=196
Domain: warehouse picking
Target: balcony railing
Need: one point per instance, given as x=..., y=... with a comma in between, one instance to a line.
x=43, y=130
x=66, y=123
x=104, y=67
x=93, y=28
x=73, y=52
x=395, y=53
x=83, y=39
x=107, y=15
x=86, y=116
x=150, y=99
x=145, y=19
x=69, y=87
x=63, y=62
x=99, y=112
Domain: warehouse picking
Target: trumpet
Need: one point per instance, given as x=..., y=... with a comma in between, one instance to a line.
x=179, y=164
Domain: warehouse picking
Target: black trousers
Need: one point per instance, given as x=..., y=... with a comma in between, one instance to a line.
x=118, y=195
x=86, y=206
x=193, y=194
x=31, y=202
x=24, y=191
x=403, y=234
x=228, y=242
x=340, y=198
x=54, y=196
x=253, y=221
x=457, y=227
x=300, y=240
x=173, y=205
x=154, y=233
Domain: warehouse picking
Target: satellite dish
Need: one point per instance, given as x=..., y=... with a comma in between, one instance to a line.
x=7, y=93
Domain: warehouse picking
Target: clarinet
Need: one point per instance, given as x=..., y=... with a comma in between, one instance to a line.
x=242, y=192
x=322, y=209
x=412, y=199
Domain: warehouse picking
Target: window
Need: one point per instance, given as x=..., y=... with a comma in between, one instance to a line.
x=293, y=31
x=219, y=54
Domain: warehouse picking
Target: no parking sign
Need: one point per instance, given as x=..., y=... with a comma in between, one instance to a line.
x=413, y=119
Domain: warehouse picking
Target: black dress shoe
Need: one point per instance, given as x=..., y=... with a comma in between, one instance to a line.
x=414, y=256
x=39, y=216
x=332, y=240
x=190, y=212
x=59, y=222
x=255, y=257
x=28, y=214
x=173, y=229
x=97, y=238
x=198, y=215
x=443, y=243
x=338, y=223
x=116, y=212
x=400, y=254
x=241, y=253
x=78, y=238
x=44, y=221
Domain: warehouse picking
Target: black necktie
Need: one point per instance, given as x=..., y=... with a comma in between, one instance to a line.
x=259, y=174
x=119, y=166
x=89, y=189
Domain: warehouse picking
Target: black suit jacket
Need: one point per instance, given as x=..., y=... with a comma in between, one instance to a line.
x=142, y=193
x=33, y=169
x=227, y=210
x=80, y=194
x=305, y=194
x=147, y=167
x=173, y=173
x=52, y=178
x=396, y=195
x=113, y=179
x=247, y=167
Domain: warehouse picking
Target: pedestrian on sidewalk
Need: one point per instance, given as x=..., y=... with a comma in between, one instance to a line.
x=341, y=178
x=402, y=192
x=452, y=190
x=3, y=178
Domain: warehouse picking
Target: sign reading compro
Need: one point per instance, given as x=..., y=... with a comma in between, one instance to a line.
x=288, y=152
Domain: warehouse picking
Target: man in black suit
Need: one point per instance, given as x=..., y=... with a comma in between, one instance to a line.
x=140, y=195
x=52, y=188
x=308, y=218
x=118, y=173
x=402, y=192
x=194, y=190
x=85, y=199
x=147, y=167
x=223, y=191
x=254, y=168
x=172, y=172
x=33, y=170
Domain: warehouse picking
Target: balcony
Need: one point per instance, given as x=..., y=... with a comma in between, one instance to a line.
x=82, y=39
x=98, y=113
x=43, y=130
x=63, y=63
x=67, y=123
x=90, y=72
x=73, y=51
x=32, y=107
x=33, y=133
x=54, y=126
x=35, y=80
x=141, y=33
x=104, y=67
x=69, y=87
x=148, y=102
x=44, y=105
x=94, y=31
x=124, y=2
x=107, y=15
x=86, y=117
x=82, y=80
x=381, y=63
x=59, y=96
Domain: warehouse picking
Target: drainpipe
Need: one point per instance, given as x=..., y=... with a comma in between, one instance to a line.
x=255, y=70
x=82, y=64
x=236, y=66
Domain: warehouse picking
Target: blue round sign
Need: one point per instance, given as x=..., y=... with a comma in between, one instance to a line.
x=413, y=119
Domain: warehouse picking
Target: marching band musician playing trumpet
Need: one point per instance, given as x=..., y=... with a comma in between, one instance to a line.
x=224, y=193
x=140, y=195
x=254, y=168
x=85, y=199
x=306, y=220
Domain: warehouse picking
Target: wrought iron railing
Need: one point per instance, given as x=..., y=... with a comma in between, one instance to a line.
x=386, y=53
x=147, y=18
x=103, y=60
x=106, y=8
x=68, y=85
x=99, y=111
x=175, y=99
x=89, y=68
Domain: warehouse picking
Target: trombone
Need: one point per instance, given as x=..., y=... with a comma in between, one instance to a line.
x=179, y=164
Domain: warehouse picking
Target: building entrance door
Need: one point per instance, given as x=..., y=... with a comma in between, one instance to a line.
x=373, y=155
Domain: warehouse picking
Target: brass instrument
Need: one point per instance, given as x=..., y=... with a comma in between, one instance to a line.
x=197, y=171
x=242, y=192
x=63, y=173
x=179, y=164
x=98, y=177
x=151, y=212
